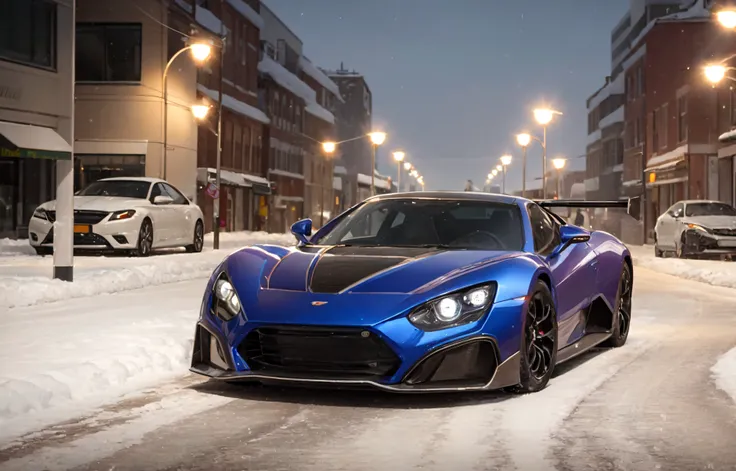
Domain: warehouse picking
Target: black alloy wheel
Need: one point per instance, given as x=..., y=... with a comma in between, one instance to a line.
x=198, y=240
x=539, y=341
x=623, y=310
x=145, y=239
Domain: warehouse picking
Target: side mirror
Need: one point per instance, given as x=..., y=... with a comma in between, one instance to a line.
x=301, y=230
x=570, y=235
x=161, y=199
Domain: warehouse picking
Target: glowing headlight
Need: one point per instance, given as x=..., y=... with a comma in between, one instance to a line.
x=120, y=215
x=225, y=293
x=455, y=309
x=698, y=227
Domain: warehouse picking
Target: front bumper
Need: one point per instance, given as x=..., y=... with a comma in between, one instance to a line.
x=477, y=357
x=104, y=235
x=700, y=242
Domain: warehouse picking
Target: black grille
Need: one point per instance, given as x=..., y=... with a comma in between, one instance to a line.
x=725, y=232
x=80, y=239
x=83, y=216
x=338, y=353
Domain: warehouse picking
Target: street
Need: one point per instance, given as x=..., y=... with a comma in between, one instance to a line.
x=650, y=405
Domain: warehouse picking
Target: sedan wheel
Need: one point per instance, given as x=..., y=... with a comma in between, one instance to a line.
x=539, y=341
x=145, y=239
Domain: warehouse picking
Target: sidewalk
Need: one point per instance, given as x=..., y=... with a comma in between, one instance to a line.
x=25, y=278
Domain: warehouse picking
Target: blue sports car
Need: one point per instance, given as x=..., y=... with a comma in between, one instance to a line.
x=419, y=292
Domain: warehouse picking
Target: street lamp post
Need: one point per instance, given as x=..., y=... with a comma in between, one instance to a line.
x=505, y=162
x=544, y=117
x=200, y=52
x=377, y=138
x=328, y=148
x=559, y=164
x=399, y=157
x=523, y=139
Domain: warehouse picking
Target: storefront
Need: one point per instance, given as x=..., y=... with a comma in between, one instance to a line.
x=727, y=174
x=243, y=198
x=28, y=156
x=666, y=185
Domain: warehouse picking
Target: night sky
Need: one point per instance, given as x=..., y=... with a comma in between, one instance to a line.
x=454, y=81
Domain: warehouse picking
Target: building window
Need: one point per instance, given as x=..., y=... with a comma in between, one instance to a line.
x=243, y=44
x=638, y=132
x=639, y=81
x=655, y=131
x=28, y=32
x=108, y=52
x=682, y=118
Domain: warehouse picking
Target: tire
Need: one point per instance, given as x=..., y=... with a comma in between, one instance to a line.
x=681, y=248
x=622, y=321
x=43, y=251
x=197, y=238
x=145, y=239
x=538, y=352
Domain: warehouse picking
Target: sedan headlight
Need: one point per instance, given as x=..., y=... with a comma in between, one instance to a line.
x=698, y=227
x=120, y=215
x=40, y=214
x=454, y=309
x=226, y=304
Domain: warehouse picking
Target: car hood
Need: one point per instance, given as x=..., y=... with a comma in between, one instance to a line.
x=98, y=203
x=713, y=222
x=348, y=285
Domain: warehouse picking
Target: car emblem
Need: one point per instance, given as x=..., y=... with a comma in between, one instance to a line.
x=319, y=303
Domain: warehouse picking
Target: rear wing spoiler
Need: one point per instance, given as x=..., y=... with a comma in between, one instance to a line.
x=632, y=205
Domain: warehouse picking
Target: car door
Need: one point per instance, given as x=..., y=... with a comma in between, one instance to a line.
x=182, y=221
x=666, y=227
x=161, y=216
x=573, y=274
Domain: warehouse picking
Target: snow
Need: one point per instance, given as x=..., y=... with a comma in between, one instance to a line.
x=676, y=154
x=313, y=71
x=727, y=136
x=244, y=9
x=615, y=87
x=236, y=105
x=317, y=110
x=208, y=19
x=366, y=180
x=698, y=11
x=631, y=182
x=634, y=58
x=577, y=190
x=595, y=136
x=25, y=280
x=724, y=373
x=712, y=272
x=613, y=118
x=337, y=183
x=184, y=5
x=340, y=170
x=232, y=178
x=284, y=173
x=286, y=79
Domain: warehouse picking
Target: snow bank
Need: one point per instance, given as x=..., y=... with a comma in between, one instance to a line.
x=724, y=373
x=12, y=248
x=713, y=272
x=115, y=274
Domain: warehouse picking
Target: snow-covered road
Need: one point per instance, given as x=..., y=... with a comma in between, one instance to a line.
x=652, y=404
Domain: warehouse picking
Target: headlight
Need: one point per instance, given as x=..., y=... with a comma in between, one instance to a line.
x=226, y=304
x=698, y=227
x=40, y=214
x=454, y=309
x=119, y=215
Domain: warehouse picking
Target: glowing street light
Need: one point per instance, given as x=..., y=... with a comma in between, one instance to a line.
x=377, y=138
x=490, y=176
x=407, y=166
x=524, y=139
x=506, y=160
x=201, y=51
x=727, y=18
x=399, y=157
x=200, y=112
x=714, y=73
x=494, y=172
x=559, y=164
x=329, y=147
x=499, y=167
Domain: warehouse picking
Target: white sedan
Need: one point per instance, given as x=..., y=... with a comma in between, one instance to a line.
x=127, y=214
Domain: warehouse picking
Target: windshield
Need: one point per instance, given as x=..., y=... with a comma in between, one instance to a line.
x=709, y=209
x=118, y=188
x=420, y=223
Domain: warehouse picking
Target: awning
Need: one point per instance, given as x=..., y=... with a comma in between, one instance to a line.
x=259, y=185
x=35, y=142
x=666, y=166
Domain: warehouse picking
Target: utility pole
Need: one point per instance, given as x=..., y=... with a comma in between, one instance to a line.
x=218, y=169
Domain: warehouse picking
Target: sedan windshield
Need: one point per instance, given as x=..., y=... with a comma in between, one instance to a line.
x=431, y=223
x=709, y=209
x=118, y=188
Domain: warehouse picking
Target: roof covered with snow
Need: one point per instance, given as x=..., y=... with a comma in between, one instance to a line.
x=236, y=105
x=244, y=9
x=320, y=112
x=675, y=155
x=208, y=19
x=615, y=87
x=313, y=71
x=286, y=79
x=379, y=182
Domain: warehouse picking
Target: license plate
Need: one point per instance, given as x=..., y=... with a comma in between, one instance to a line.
x=727, y=243
x=82, y=229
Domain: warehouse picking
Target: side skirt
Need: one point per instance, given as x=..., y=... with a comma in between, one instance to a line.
x=581, y=346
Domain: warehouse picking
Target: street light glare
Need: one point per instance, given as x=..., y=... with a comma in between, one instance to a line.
x=399, y=156
x=490, y=176
x=201, y=51
x=407, y=166
x=715, y=73
x=499, y=167
x=329, y=147
x=544, y=116
x=200, y=111
x=523, y=139
x=727, y=18
x=494, y=172
x=506, y=160
x=377, y=138
x=559, y=164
